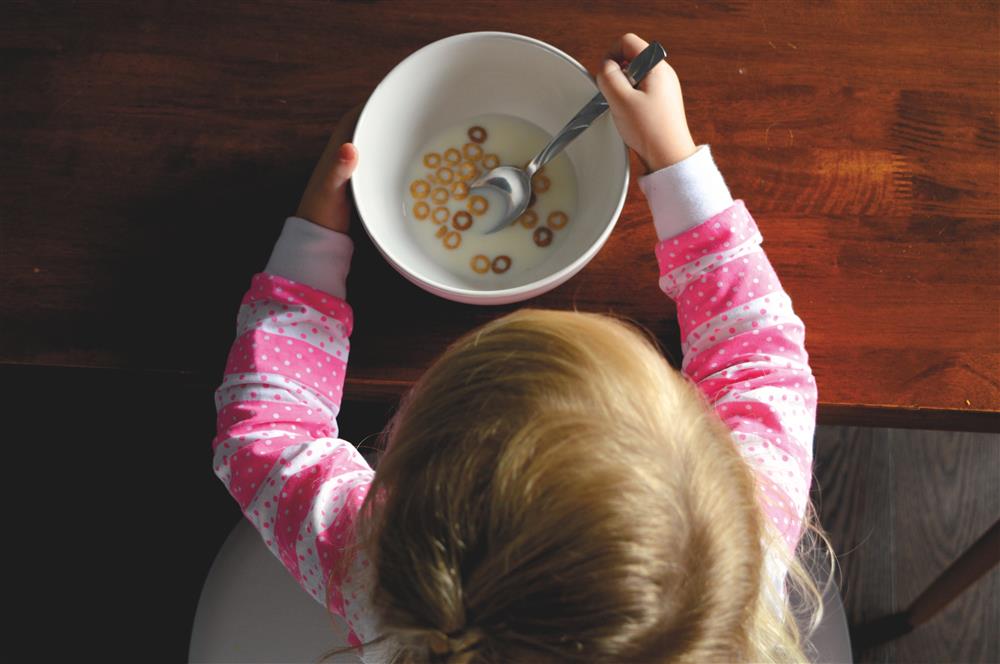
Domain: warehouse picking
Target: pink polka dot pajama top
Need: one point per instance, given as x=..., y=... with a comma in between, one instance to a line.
x=278, y=452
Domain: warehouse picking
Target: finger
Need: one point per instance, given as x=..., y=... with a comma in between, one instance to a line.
x=612, y=82
x=632, y=45
x=627, y=47
x=325, y=201
x=347, y=161
x=341, y=133
x=335, y=168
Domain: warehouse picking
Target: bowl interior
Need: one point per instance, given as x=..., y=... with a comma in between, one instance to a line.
x=457, y=78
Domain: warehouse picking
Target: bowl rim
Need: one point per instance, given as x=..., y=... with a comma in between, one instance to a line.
x=503, y=295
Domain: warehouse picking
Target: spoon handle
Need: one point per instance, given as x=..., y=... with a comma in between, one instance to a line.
x=595, y=108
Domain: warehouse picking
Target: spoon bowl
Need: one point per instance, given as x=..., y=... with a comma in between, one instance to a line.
x=514, y=188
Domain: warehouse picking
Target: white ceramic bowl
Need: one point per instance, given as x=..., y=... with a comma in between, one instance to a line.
x=496, y=72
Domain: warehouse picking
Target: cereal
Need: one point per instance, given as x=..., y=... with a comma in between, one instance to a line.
x=557, y=219
x=472, y=151
x=445, y=175
x=478, y=205
x=480, y=264
x=467, y=170
x=477, y=134
x=440, y=195
x=529, y=219
x=440, y=215
x=440, y=180
x=420, y=188
x=542, y=237
x=501, y=264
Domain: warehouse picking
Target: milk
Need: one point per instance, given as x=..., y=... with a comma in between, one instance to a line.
x=514, y=142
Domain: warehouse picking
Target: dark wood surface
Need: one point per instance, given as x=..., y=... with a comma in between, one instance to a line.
x=900, y=507
x=152, y=151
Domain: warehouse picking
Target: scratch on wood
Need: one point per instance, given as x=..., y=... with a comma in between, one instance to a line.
x=772, y=44
x=791, y=135
x=792, y=45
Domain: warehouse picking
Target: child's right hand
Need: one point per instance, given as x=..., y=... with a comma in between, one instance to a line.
x=649, y=118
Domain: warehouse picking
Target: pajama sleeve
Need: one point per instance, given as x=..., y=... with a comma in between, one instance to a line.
x=277, y=448
x=742, y=342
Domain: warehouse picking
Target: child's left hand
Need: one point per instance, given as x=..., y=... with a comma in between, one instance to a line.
x=325, y=201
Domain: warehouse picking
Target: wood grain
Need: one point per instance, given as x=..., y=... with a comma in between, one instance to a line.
x=900, y=507
x=152, y=151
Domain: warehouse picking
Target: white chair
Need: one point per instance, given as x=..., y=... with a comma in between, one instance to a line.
x=252, y=610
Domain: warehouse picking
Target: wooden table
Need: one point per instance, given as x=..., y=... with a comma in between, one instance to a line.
x=152, y=150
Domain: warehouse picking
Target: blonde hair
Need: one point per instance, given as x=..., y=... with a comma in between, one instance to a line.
x=552, y=490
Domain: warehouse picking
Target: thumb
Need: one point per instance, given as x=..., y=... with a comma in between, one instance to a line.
x=613, y=84
x=325, y=200
x=347, y=161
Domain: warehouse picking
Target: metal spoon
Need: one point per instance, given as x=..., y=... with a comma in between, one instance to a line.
x=514, y=184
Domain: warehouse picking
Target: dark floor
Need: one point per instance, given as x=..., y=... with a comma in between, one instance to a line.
x=900, y=506
x=117, y=516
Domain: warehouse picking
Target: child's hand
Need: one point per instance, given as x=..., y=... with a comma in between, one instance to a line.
x=649, y=118
x=325, y=199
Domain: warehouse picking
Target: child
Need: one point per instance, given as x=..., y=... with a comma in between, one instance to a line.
x=551, y=489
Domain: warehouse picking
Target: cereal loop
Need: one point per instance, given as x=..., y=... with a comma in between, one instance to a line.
x=501, y=264
x=557, y=219
x=452, y=156
x=445, y=175
x=462, y=220
x=541, y=184
x=420, y=189
x=441, y=231
x=459, y=190
x=478, y=205
x=467, y=170
x=421, y=210
x=480, y=264
x=491, y=160
x=440, y=196
x=440, y=215
x=477, y=134
x=432, y=160
x=452, y=240
x=529, y=219
x=472, y=152
x=542, y=237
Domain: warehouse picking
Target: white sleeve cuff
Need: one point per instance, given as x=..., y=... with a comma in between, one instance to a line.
x=312, y=255
x=685, y=194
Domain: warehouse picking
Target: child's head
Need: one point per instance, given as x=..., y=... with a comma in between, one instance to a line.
x=552, y=490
